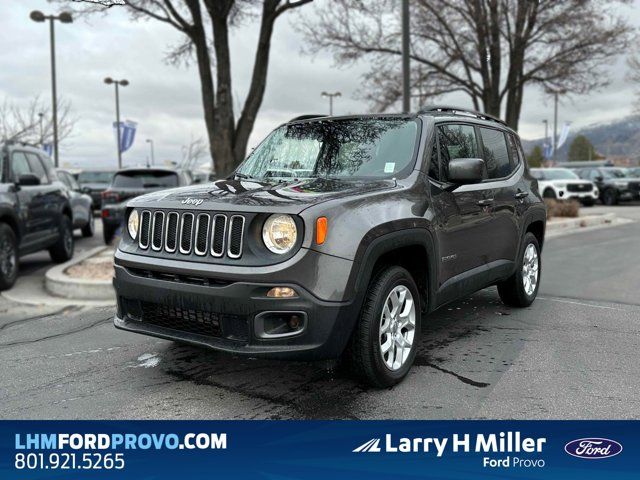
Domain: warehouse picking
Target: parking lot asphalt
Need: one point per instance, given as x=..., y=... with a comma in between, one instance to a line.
x=572, y=354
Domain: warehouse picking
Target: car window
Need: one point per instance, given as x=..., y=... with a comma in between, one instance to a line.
x=19, y=165
x=37, y=168
x=145, y=179
x=593, y=174
x=73, y=183
x=516, y=155
x=538, y=174
x=49, y=168
x=495, y=153
x=455, y=141
x=95, y=177
x=63, y=178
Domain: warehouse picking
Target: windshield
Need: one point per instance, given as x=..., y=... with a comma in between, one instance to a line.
x=613, y=173
x=559, y=174
x=145, y=179
x=95, y=177
x=633, y=172
x=334, y=148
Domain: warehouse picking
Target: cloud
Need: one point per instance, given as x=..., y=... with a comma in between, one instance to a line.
x=165, y=100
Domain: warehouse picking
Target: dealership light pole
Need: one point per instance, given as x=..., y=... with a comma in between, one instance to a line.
x=150, y=142
x=117, y=83
x=406, y=85
x=555, y=93
x=64, y=17
x=331, y=97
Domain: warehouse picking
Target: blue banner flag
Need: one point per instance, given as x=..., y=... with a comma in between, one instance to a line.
x=48, y=148
x=127, y=134
x=320, y=449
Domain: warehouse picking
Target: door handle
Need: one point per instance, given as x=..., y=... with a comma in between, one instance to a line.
x=521, y=194
x=485, y=202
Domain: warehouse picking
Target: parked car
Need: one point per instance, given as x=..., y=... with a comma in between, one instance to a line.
x=398, y=216
x=633, y=172
x=563, y=184
x=35, y=212
x=613, y=183
x=132, y=182
x=94, y=182
x=81, y=204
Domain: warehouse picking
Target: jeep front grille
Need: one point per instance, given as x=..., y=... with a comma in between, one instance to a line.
x=189, y=233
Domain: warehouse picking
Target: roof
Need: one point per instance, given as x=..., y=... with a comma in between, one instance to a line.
x=441, y=111
x=148, y=169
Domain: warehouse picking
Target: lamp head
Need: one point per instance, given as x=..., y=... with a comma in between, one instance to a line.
x=37, y=16
x=65, y=17
x=108, y=80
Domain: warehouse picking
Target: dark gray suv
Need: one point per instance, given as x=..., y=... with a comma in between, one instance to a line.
x=335, y=238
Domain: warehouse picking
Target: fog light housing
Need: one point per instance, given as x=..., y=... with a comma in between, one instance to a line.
x=279, y=324
x=282, y=292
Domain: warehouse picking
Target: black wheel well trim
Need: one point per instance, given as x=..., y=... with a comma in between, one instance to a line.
x=533, y=216
x=369, y=253
x=9, y=218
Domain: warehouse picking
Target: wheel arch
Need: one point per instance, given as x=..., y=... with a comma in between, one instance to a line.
x=9, y=218
x=411, y=248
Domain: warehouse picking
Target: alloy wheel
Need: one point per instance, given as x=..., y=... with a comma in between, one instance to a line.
x=397, y=327
x=530, y=269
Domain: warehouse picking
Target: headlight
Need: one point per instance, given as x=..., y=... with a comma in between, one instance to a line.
x=132, y=224
x=279, y=233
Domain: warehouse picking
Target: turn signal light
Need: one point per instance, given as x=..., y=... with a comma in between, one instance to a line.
x=321, y=230
x=282, y=292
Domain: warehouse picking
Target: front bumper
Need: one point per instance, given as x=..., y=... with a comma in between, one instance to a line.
x=157, y=305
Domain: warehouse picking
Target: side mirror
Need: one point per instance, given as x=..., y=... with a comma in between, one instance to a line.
x=28, y=180
x=466, y=170
x=599, y=178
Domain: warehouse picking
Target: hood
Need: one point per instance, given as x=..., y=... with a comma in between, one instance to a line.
x=251, y=195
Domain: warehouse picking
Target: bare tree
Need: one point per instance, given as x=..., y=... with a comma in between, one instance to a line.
x=193, y=153
x=206, y=25
x=488, y=49
x=33, y=123
x=633, y=75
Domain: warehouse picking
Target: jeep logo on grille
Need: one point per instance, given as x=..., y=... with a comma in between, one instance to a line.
x=192, y=201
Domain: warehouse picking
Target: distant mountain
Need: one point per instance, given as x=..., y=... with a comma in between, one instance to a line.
x=618, y=138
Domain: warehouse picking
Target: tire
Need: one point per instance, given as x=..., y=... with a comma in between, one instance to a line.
x=8, y=257
x=588, y=202
x=610, y=197
x=108, y=232
x=515, y=292
x=364, y=355
x=550, y=194
x=62, y=250
x=90, y=228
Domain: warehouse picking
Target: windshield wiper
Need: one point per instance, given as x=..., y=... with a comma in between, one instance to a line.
x=244, y=176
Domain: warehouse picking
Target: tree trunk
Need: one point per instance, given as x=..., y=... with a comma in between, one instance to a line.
x=258, y=82
x=223, y=134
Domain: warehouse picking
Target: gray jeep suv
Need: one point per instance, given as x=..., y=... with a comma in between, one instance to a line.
x=335, y=238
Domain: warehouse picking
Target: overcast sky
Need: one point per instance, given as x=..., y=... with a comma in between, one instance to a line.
x=165, y=100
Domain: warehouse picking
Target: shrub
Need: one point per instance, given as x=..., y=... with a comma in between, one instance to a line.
x=555, y=208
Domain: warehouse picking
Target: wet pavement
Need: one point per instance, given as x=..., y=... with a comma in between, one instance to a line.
x=572, y=354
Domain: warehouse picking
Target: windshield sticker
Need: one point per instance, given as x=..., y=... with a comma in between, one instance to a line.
x=389, y=167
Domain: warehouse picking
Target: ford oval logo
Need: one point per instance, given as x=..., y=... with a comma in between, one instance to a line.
x=192, y=201
x=593, y=448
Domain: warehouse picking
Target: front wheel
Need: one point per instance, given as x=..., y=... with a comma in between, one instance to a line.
x=62, y=250
x=384, y=343
x=610, y=197
x=521, y=289
x=89, y=229
x=588, y=202
x=8, y=257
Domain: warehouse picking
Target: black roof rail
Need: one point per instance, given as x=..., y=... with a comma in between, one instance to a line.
x=454, y=109
x=307, y=117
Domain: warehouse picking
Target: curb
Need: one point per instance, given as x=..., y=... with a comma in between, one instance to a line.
x=61, y=285
x=571, y=224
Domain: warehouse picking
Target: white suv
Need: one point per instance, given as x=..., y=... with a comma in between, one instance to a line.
x=563, y=184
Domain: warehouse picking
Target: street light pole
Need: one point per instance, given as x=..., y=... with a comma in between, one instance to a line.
x=64, y=17
x=117, y=83
x=331, y=96
x=41, y=115
x=555, y=125
x=150, y=142
x=406, y=85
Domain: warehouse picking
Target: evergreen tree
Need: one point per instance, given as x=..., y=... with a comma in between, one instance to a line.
x=581, y=149
x=536, y=157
